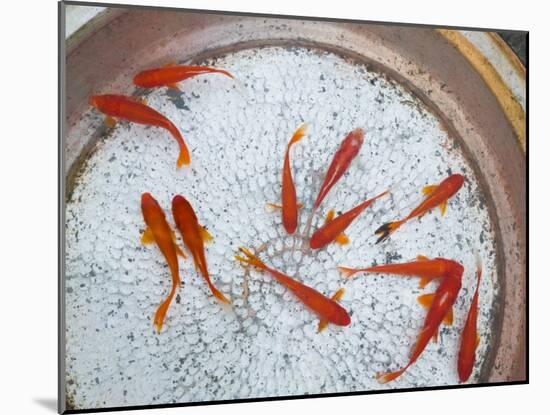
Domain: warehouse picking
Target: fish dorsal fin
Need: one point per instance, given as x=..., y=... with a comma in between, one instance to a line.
x=174, y=85
x=477, y=340
x=205, y=235
x=426, y=300
x=110, y=122
x=422, y=258
x=428, y=190
x=147, y=237
x=448, y=319
x=342, y=239
x=434, y=337
x=169, y=64
x=443, y=208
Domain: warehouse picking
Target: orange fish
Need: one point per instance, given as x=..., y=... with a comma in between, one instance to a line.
x=426, y=269
x=340, y=162
x=440, y=309
x=470, y=337
x=159, y=231
x=330, y=231
x=324, y=307
x=194, y=235
x=436, y=195
x=170, y=75
x=288, y=193
x=336, y=297
x=127, y=108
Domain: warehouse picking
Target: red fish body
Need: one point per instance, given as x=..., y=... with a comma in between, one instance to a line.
x=470, y=337
x=159, y=231
x=426, y=269
x=330, y=231
x=437, y=195
x=288, y=192
x=342, y=159
x=440, y=306
x=327, y=309
x=193, y=235
x=171, y=75
x=127, y=108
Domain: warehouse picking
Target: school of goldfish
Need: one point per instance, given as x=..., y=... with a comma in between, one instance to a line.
x=439, y=304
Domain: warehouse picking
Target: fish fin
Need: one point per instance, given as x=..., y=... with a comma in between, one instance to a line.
x=205, y=235
x=143, y=101
x=219, y=295
x=422, y=258
x=169, y=64
x=179, y=251
x=342, y=239
x=337, y=296
x=347, y=272
x=448, y=319
x=427, y=190
x=147, y=237
x=276, y=206
x=443, y=208
x=478, y=339
x=384, y=231
x=174, y=85
x=435, y=336
x=424, y=281
x=426, y=300
x=388, y=377
x=298, y=134
x=330, y=215
x=110, y=122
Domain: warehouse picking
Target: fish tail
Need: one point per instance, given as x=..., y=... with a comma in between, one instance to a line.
x=219, y=295
x=184, y=158
x=347, y=272
x=161, y=311
x=388, y=377
x=298, y=134
x=249, y=258
x=384, y=231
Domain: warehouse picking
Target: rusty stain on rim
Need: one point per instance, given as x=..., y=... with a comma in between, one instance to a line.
x=505, y=97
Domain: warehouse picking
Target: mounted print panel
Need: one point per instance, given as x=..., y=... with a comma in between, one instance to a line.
x=265, y=207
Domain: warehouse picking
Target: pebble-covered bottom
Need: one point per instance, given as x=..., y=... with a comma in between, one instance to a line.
x=266, y=344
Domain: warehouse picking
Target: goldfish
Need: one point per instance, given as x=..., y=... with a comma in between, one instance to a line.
x=127, y=108
x=470, y=337
x=331, y=230
x=194, y=235
x=425, y=268
x=288, y=192
x=170, y=75
x=439, y=304
x=348, y=150
x=436, y=195
x=324, y=307
x=159, y=231
x=336, y=297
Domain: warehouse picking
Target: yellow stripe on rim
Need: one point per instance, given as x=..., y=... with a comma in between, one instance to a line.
x=508, y=102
